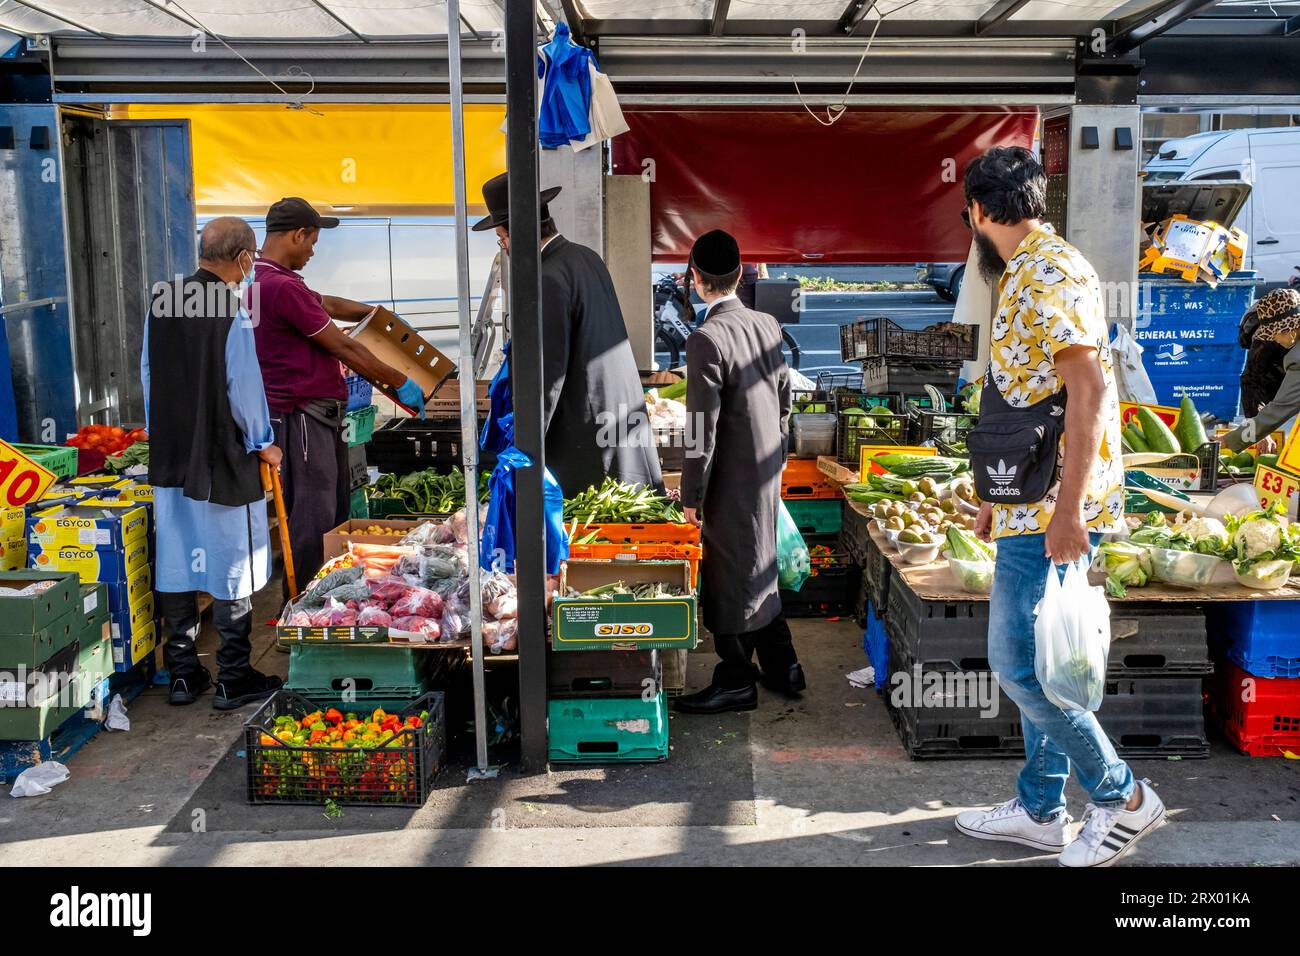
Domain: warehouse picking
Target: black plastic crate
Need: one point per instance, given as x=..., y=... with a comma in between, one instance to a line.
x=409, y=444
x=396, y=775
x=855, y=533
x=909, y=378
x=671, y=445
x=854, y=430
x=942, y=429
x=831, y=381
x=603, y=674
x=882, y=337
x=804, y=401
x=1155, y=717
x=913, y=620
x=832, y=586
x=1158, y=640
x=357, y=474
x=878, y=572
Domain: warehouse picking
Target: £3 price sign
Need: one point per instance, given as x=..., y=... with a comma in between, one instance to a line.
x=21, y=480
x=1272, y=484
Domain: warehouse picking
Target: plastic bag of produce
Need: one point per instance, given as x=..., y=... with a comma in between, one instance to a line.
x=389, y=590
x=792, y=561
x=1072, y=639
x=374, y=616
x=414, y=624
x=418, y=602
x=973, y=576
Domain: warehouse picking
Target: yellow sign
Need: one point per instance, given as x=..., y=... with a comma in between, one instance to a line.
x=1289, y=456
x=1273, y=485
x=21, y=479
x=1128, y=412
x=868, y=452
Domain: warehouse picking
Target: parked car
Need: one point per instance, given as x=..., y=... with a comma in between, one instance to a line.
x=1267, y=159
x=944, y=277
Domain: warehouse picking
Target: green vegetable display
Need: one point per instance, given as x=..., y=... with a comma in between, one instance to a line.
x=136, y=454
x=1134, y=438
x=1156, y=433
x=429, y=491
x=643, y=591
x=919, y=466
x=1127, y=566
x=1189, y=431
x=675, y=391
x=964, y=546
x=618, y=503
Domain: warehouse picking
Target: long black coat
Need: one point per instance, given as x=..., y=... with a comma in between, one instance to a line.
x=738, y=411
x=593, y=405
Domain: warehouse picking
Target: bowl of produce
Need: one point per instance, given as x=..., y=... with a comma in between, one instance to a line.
x=1185, y=569
x=1264, y=575
x=917, y=546
x=891, y=536
x=970, y=560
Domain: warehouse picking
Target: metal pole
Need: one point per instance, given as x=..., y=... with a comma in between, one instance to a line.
x=526, y=369
x=468, y=395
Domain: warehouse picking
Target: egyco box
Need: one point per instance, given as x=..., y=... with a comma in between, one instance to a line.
x=126, y=624
x=94, y=523
x=108, y=565
x=623, y=623
x=13, y=538
x=127, y=654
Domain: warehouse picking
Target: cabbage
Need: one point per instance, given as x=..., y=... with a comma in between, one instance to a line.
x=1126, y=565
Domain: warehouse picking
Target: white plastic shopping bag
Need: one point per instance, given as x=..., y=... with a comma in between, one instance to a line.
x=1131, y=378
x=39, y=780
x=1072, y=639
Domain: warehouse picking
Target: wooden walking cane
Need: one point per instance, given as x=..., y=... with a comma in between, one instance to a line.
x=271, y=483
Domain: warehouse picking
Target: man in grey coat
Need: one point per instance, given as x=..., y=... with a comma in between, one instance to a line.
x=738, y=411
x=594, y=408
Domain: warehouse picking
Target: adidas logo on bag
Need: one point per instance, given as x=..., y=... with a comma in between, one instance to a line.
x=1002, y=476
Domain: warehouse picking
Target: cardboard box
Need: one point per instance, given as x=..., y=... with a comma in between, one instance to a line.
x=445, y=401
x=31, y=649
x=26, y=614
x=94, y=523
x=336, y=539
x=92, y=564
x=623, y=623
x=125, y=625
x=395, y=343
x=94, y=604
x=141, y=644
x=13, y=553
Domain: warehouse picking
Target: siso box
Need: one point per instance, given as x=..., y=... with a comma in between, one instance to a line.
x=623, y=623
x=94, y=523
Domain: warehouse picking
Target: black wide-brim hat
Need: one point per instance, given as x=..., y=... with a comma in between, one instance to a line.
x=496, y=195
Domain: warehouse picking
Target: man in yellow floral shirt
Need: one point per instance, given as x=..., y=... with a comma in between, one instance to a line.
x=1050, y=335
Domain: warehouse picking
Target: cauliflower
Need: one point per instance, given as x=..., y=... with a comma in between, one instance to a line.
x=1208, y=535
x=1257, y=537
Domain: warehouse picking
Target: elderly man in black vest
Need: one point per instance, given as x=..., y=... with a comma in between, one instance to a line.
x=738, y=412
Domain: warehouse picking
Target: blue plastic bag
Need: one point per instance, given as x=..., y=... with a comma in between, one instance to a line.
x=497, y=545
x=793, y=563
x=499, y=429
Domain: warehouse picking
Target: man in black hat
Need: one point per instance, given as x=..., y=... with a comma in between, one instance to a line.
x=738, y=407
x=593, y=408
x=299, y=348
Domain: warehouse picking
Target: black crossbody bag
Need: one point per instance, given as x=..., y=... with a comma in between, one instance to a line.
x=1013, y=451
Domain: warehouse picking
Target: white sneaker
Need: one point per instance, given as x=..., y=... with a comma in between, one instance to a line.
x=1107, y=834
x=1010, y=823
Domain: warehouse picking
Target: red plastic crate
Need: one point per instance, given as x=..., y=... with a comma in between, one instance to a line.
x=1264, y=726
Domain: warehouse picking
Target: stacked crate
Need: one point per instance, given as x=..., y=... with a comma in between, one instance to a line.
x=1152, y=707
x=604, y=674
x=1256, y=695
x=816, y=506
x=55, y=655
x=896, y=359
x=105, y=540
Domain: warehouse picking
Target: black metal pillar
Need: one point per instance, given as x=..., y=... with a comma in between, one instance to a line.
x=526, y=374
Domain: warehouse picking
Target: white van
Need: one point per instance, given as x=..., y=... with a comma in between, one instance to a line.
x=1268, y=159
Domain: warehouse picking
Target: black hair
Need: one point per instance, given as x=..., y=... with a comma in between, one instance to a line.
x=1009, y=183
x=546, y=228
x=719, y=285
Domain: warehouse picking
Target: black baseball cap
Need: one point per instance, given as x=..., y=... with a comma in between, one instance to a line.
x=294, y=213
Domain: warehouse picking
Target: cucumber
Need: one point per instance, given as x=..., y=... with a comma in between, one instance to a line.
x=1189, y=431
x=1269, y=460
x=1244, y=460
x=1157, y=434
x=1135, y=439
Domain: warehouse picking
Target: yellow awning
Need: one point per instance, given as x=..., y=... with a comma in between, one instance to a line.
x=360, y=160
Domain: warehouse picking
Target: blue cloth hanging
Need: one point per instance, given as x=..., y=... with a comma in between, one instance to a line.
x=499, y=429
x=497, y=545
x=565, y=69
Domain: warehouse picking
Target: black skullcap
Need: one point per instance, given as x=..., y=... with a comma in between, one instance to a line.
x=716, y=253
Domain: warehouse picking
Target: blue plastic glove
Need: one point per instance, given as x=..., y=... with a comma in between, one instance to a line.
x=412, y=396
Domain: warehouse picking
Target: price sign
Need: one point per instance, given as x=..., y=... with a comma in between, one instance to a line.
x=21, y=479
x=1289, y=456
x=868, y=452
x=1272, y=484
x=1128, y=411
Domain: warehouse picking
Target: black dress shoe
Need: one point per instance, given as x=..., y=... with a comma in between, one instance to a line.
x=187, y=688
x=719, y=700
x=793, y=683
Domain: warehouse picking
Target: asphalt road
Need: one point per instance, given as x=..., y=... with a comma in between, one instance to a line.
x=818, y=331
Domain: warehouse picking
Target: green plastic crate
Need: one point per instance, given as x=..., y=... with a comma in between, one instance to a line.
x=397, y=508
x=358, y=504
x=359, y=425
x=607, y=729
x=372, y=672
x=60, y=459
x=817, y=515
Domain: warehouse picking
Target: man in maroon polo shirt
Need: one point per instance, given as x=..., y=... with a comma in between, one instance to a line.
x=300, y=350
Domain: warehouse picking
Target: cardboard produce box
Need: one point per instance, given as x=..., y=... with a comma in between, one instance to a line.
x=623, y=623
x=28, y=613
x=109, y=565
x=93, y=523
x=336, y=539
x=445, y=402
x=130, y=651
x=394, y=342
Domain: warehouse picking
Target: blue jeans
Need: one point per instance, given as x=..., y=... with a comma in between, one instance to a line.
x=1054, y=738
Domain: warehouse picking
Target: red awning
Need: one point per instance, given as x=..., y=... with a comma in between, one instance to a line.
x=878, y=186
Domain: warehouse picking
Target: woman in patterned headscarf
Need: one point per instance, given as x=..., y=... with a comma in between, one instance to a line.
x=1270, y=382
